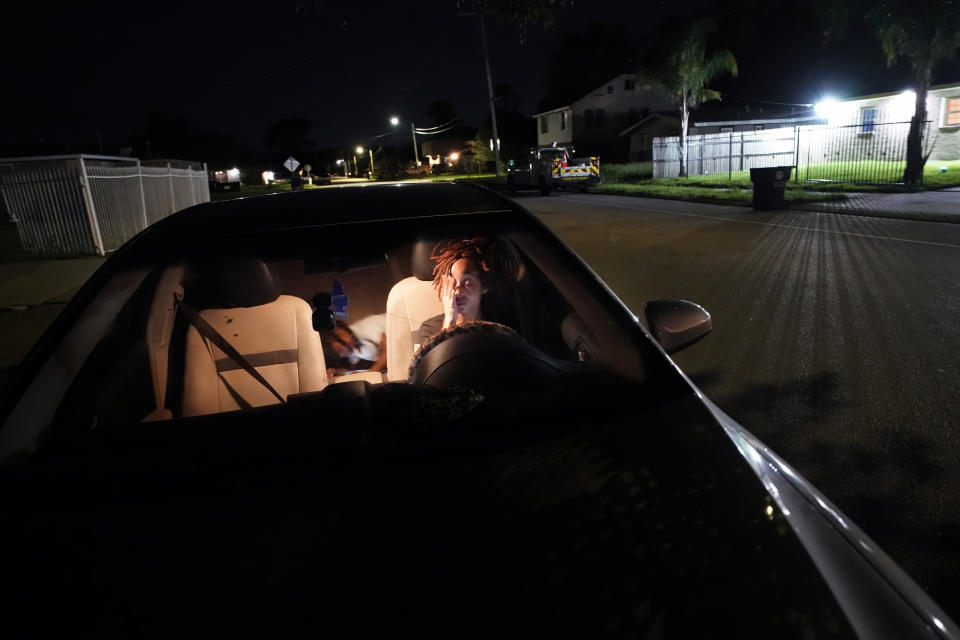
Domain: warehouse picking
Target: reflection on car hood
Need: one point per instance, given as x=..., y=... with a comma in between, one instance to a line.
x=877, y=596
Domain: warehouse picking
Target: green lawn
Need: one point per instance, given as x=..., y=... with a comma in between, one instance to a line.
x=833, y=177
x=629, y=173
x=726, y=194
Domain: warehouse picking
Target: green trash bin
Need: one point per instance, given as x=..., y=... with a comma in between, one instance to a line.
x=769, y=186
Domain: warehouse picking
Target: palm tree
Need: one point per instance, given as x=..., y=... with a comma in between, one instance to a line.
x=924, y=32
x=687, y=70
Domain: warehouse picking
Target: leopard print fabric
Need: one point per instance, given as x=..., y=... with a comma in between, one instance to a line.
x=423, y=406
x=475, y=326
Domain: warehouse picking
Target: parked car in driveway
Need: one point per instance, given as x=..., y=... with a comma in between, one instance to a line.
x=175, y=455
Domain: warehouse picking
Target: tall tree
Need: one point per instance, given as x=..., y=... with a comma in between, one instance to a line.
x=923, y=32
x=523, y=14
x=687, y=69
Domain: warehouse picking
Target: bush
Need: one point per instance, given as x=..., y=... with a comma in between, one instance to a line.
x=630, y=172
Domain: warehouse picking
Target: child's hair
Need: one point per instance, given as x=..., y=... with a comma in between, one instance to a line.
x=492, y=258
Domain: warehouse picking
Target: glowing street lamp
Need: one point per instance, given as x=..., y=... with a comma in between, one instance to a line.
x=359, y=151
x=826, y=108
x=413, y=133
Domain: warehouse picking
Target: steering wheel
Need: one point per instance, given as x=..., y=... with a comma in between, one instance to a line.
x=488, y=357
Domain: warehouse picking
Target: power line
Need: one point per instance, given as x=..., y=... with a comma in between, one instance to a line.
x=782, y=104
x=427, y=130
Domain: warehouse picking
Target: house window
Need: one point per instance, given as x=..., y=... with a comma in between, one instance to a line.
x=951, y=112
x=609, y=88
x=868, y=119
x=643, y=141
x=595, y=118
x=563, y=120
x=628, y=85
x=544, y=127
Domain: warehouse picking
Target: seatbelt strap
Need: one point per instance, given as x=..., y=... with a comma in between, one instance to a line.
x=211, y=334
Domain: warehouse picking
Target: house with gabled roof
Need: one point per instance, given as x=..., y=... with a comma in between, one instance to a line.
x=594, y=124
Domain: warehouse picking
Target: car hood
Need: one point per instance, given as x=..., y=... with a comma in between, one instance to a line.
x=637, y=522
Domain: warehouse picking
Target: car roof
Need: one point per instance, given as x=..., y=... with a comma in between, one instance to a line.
x=333, y=206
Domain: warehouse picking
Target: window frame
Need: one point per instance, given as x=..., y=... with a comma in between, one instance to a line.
x=868, y=125
x=544, y=124
x=945, y=120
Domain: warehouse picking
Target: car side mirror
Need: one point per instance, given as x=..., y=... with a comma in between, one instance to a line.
x=677, y=324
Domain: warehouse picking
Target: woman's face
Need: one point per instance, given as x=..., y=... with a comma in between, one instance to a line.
x=467, y=288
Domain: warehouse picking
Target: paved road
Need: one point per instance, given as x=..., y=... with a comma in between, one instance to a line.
x=835, y=341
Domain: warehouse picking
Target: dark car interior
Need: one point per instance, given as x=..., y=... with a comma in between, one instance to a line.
x=261, y=294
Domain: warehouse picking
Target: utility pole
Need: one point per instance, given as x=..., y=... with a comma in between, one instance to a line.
x=493, y=106
x=416, y=154
x=371, y=162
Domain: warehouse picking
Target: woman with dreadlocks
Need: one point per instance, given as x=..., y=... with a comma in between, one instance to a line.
x=466, y=269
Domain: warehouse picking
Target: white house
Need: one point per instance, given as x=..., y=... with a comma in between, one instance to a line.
x=872, y=115
x=594, y=123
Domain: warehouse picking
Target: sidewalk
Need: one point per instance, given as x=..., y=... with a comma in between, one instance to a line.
x=31, y=283
x=928, y=206
x=32, y=293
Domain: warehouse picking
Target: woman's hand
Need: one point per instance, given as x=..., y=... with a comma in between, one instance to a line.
x=449, y=301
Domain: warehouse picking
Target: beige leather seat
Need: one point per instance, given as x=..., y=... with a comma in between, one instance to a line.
x=273, y=332
x=410, y=302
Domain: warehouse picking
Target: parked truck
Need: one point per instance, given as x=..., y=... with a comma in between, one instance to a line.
x=546, y=168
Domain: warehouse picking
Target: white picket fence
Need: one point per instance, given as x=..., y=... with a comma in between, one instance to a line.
x=81, y=204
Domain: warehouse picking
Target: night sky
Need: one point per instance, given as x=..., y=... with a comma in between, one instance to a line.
x=74, y=70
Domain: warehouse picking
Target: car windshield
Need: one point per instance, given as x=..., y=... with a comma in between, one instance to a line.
x=267, y=315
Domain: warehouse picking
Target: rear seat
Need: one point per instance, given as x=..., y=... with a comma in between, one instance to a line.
x=273, y=332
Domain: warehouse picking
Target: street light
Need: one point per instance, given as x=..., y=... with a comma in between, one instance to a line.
x=359, y=151
x=413, y=134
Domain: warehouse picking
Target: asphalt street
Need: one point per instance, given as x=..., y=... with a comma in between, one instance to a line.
x=835, y=341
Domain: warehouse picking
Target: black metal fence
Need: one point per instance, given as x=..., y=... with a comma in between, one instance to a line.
x=867, y=153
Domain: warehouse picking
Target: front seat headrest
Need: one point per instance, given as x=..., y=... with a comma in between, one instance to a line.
x=422, y=265
x=239, y=283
